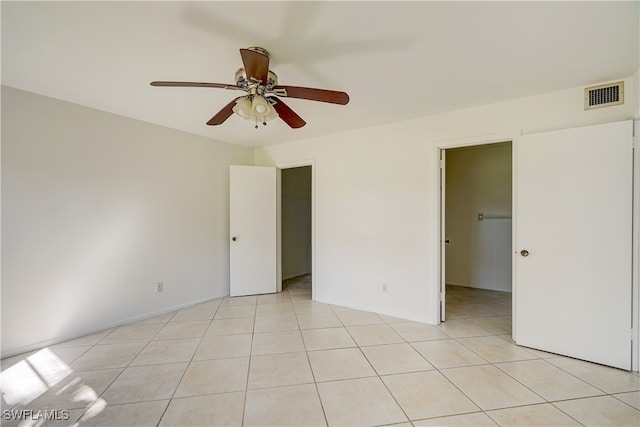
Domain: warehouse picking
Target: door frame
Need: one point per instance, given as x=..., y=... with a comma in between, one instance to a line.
x=635, y=274
x=439, y=297
x=290, y=165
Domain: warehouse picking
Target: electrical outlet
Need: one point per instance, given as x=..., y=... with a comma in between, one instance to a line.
x=385, y=287
x=159, y=287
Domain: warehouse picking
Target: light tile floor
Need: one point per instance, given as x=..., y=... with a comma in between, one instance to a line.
x=276, y=360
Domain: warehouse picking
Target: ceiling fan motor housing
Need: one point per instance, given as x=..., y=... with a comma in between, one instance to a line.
x=260, y=50
x=244, y=82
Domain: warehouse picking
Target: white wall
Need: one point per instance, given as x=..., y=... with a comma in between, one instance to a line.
x=376, y=200
x=296, y=222
x=478, y=180
x=96, y=209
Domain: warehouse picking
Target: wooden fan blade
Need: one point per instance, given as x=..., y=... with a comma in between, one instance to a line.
x=256, y=65
x=322, y=95
x=223, y=114
x=288, y=115
x=195, y=84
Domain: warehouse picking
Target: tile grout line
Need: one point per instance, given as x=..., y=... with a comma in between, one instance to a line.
x=519, y=382
x=164, y=412
x=116, y=377
x=246, y=384
x=378, y=375
x=313, y=375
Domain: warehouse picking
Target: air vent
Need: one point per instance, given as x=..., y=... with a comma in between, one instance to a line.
x=604, y=95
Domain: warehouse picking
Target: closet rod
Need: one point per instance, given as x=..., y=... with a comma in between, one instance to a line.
x=482, y=217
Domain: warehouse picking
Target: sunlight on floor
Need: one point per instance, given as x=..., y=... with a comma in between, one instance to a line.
x=25, y=385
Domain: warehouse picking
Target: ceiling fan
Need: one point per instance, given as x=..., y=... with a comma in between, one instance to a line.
x=262, y=101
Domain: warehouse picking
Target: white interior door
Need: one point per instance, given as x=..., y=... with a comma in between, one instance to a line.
x=574, y=243
x=254, y=230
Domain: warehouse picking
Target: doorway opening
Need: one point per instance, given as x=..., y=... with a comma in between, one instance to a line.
x=477, y=235
x=296, y=231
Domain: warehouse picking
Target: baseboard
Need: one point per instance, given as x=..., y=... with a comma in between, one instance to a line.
x=294, y=276
x=466, y=285
x=63, y=338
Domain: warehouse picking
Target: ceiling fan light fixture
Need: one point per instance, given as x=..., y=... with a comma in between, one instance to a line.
x=262, y=100
x=255, y=108
x=262, y=109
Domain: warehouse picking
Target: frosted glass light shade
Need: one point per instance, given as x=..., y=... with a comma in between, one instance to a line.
x=262, y=109
x=243, y=108
x=259, y=109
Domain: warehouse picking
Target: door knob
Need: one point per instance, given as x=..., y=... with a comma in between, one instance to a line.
x=524, y=252
x=234, y=238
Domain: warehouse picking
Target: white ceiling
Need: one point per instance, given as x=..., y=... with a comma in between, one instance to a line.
x=396, y=60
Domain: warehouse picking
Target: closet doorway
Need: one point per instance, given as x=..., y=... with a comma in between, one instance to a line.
x=296, y=230
x=477, y=230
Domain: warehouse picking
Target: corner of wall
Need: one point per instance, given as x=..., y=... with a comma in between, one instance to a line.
x=255, y=155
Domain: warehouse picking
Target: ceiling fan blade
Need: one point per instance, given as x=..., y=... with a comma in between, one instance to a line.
x=223, y=114
x=322, y=95
x=256, y=64
x=195, y=84
x=288, y=115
